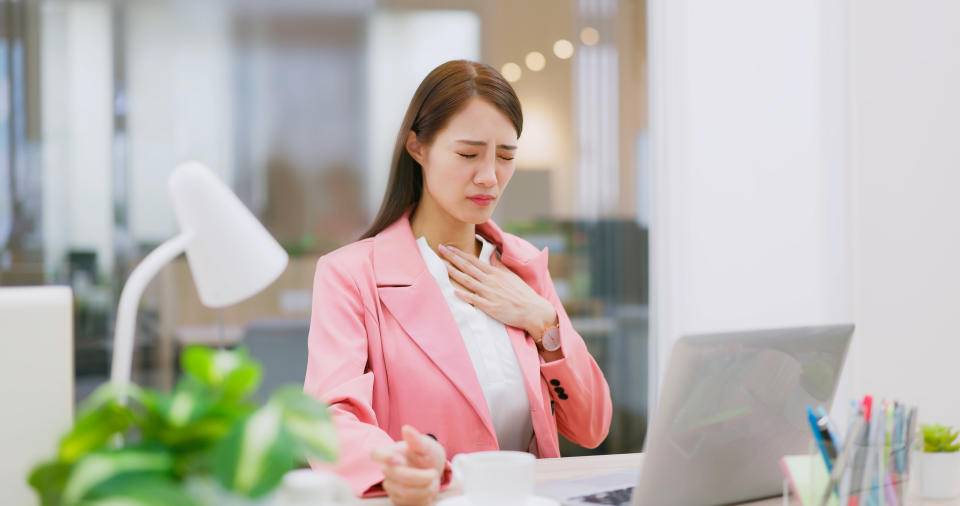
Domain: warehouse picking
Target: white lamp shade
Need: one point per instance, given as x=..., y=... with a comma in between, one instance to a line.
x=231, y=254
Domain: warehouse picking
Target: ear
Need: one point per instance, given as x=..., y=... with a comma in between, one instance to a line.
x=414, y=147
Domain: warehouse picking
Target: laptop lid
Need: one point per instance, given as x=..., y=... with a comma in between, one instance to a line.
x=732, y=405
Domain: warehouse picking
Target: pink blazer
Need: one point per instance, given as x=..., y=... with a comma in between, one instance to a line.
x=384, y=351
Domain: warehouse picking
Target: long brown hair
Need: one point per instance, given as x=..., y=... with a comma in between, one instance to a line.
x=442, y=93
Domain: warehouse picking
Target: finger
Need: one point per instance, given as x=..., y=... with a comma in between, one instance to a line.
x=406, y=494
x=425, y=451
x=403, y=495
x=409, y=476
x=470, y=298
x=466, y=263
x=393, y=454
x=414, y=439
x=468, y=282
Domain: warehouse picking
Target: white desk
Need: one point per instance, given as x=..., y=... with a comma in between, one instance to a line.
x=577, y=467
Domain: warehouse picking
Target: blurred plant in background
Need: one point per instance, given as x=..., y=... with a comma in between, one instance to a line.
x=204, y=439
x=939, y=438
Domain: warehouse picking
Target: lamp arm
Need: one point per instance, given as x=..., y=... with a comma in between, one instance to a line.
x=129, y=303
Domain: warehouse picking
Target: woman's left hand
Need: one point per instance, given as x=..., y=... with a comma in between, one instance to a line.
x=497, y=291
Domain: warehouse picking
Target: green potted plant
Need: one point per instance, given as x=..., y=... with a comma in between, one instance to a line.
x=940, y=464
x=205, y=442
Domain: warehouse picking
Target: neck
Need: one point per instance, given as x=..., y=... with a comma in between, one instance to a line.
x=438, y=227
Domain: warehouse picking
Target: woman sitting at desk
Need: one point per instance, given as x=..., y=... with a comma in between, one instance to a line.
x=437, y=333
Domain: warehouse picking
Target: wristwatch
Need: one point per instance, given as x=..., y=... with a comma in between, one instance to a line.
x=551, y=338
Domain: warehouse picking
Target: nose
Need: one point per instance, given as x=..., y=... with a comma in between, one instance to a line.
x=487, y=172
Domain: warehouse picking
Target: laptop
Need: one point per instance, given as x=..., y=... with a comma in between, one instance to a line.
x=732, y=404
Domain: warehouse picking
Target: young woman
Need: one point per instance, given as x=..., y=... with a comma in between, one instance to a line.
x=437, y=333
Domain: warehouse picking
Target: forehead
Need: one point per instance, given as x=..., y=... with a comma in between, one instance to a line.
x=481, y=120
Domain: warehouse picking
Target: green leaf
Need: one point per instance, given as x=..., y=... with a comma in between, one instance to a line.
x=253, y=458
x=94, y=429
x=49, y=479
x=108, y=393
x=232, y=372
x=939, y=438
x=140, y=490
x=99, y=467
x=308, y=422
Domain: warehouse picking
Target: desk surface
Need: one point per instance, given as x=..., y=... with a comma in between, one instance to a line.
x=578, y=467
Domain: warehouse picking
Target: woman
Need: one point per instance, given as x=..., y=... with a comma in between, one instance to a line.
x=437, y=333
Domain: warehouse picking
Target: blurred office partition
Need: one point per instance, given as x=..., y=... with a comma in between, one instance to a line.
x=402, y=47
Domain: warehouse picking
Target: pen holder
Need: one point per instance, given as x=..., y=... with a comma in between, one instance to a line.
x=875, y=475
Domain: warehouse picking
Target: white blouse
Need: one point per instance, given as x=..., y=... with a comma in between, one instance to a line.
x=493, y=357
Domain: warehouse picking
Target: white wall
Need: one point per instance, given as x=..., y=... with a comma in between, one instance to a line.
x=905, y=147
x=750, y=221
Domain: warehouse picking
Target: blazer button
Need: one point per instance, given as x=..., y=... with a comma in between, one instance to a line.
x=563, y=397
x=432, y=436
x=558, y=390
x=555, y=382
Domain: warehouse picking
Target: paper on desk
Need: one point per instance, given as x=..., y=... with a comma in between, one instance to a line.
x=808, y=478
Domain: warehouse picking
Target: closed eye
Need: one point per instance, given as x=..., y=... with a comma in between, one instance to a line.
x=465, y=155
x=505, y=158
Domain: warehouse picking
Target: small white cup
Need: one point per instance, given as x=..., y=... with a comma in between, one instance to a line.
x=496, y=478
x=301, y=487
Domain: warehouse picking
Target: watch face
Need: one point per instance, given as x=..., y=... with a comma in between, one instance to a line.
x=551, y=339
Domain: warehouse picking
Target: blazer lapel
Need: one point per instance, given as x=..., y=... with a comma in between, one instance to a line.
x=412, y=296
x=531, y=266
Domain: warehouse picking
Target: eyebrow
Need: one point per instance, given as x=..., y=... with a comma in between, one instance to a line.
x=482, y=143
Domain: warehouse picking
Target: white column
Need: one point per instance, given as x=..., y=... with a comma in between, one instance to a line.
x=77, y=98
x=750, y=209
x=905, y=73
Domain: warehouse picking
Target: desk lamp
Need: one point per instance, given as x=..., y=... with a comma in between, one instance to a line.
x=231, y=256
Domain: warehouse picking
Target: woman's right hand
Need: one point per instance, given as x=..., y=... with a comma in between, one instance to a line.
x=412, y=468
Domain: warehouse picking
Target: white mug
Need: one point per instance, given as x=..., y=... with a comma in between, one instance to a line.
x=496, y=478
x=301, y=487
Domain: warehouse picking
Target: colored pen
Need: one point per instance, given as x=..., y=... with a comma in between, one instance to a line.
x=822, y=437
x=860, y=454
x=834, y=435
x=842, y=461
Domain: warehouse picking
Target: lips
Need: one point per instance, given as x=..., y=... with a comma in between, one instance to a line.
x=481, y=200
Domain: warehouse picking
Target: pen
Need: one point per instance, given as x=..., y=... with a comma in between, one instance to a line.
x=860, y=458
x=822, y=437
x=911, y=433
x=881, y=442
x=842, y=460
x=868, y=491
x=825, y=420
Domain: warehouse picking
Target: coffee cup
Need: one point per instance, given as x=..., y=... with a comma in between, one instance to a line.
x=496, y=478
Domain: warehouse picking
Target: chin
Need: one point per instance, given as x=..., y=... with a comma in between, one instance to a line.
x=477, y=216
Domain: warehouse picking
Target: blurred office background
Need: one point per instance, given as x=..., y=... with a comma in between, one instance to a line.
x=296, y=104
x=803, y=166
